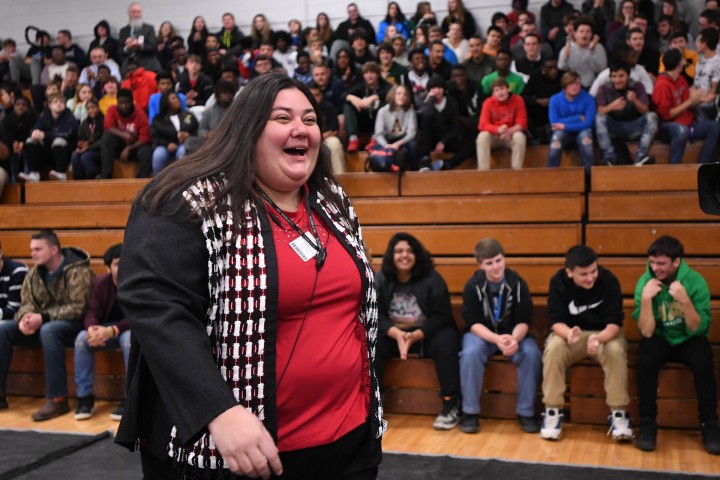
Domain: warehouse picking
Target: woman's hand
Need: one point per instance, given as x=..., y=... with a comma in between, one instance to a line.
x=245, y=443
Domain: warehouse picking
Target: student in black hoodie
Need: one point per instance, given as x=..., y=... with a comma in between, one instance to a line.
x=105, y=40
x=497, y=310
x=51, y=141
x=586, y=314
x=16, y=128
x=86, y=157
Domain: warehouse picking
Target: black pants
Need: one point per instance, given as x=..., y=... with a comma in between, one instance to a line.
x=443, y=347
x=110, y=148
x=354, y=456
x=432, y=130
x=39, y=154
x=696, y=354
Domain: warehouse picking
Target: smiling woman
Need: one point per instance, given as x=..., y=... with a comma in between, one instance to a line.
x=246, y=284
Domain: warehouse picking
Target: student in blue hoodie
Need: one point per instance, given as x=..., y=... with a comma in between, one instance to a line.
x=572, y=116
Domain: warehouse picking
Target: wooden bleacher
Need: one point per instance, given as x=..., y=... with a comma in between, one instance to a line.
x=536, y=213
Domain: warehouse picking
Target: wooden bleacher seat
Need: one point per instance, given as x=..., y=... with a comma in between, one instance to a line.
x=99, y=215
x=83, y=192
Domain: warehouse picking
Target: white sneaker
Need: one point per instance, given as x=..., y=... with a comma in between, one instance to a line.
x=551, y=424
x=620, y=426
x=53, y=175
x=448, y=418
x=29, y=177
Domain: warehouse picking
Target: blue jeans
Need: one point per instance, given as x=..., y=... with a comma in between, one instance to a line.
x=84, y=165
x=473, y=358
x=161, y=157
x=679, y=135
x=644, y=128
x=52, y=337
x=561, y=140
x=85, y=359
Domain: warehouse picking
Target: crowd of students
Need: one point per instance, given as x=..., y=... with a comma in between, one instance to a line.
x=600, y=76
x=585, y=306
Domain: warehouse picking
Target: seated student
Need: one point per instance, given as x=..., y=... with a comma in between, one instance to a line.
x=674, y=102
x=503, y=61
x=396, y=129
x=623, y=113
x=169, y=130
x=572, y=116
x=672, y=310
x=126, y=136
x=360, y=54
x=109, y=98
x=417, y=77
x=331, y=126
x=12, y=274
x=51, y=141
x=503, y=121
x=707, y=72
x=440, y=129
x=552, y=16
x=468, y=98
x=11, y=63
x=105, y=329
x=581, y=54
x=140, y=82
x=54, y=298
x=638, y=73
x=517, y=49
x=16, y=128
x=494, y=41
x=164, y=85
x=224, y=94
x=302, y=72
x=456, y=42
x=586, y=314
x=390, y=70
x=497, y=310
x=479, y=63
x=69, y=84
x=78, y=104
x=414, y=316
x=86, y=157
x=531, y=59
x=362, y=103
x=648, y=55
x=196, y=86
x=435, y=34
x=436, y=63
x=678, y=41
x=540, y=87
x=103, y=74
x=332, y=87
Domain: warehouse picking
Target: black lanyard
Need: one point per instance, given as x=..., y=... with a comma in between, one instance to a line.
x=317, y=244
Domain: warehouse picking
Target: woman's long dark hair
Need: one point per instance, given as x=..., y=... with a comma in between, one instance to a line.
x=423, y=260
x=231, y=151
x=400, y=16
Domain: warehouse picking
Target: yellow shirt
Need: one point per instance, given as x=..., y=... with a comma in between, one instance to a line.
x=692, y=59
x=106, y=102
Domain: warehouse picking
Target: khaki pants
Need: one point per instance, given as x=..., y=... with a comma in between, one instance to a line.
x=558, y=356
x=486, y=141
x=337, y=154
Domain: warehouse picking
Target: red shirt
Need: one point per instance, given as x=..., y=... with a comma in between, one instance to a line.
x=135, y=123
x=325, y=391
x=668, y=94
x=143, y=84
x=495, y=114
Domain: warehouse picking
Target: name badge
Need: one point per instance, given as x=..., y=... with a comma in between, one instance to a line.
x=303, y=247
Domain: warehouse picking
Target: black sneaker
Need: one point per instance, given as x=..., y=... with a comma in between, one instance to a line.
x=528, y=424
x=711, y=437
x=469, y=423
x=118, y=413
x=84, y=409
x=647, y=436
x=3, y=402
x=610, y=162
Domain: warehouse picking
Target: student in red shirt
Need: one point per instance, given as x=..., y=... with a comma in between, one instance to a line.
x=674, y=103
x=503, y=122
x=127, y=135
x=141, y=83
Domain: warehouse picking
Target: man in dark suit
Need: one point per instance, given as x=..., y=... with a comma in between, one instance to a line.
x=138, y=40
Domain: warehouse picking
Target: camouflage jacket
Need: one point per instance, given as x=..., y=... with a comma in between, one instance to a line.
x=66, y=296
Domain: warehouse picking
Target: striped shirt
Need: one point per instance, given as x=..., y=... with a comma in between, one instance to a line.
x=11, y=280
